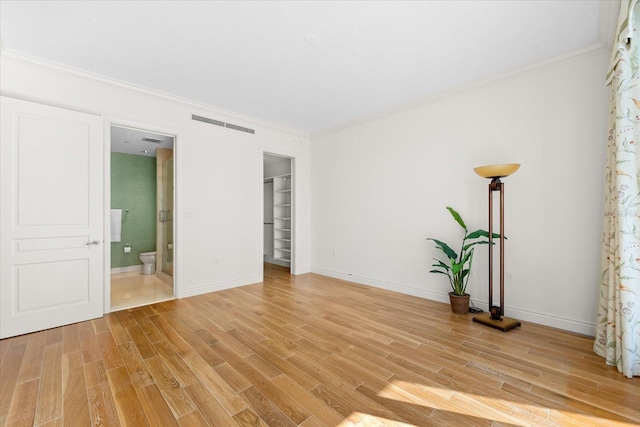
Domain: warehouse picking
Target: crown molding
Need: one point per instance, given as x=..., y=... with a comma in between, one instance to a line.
x=90, y=77
x=608, y=20
x=577, y=55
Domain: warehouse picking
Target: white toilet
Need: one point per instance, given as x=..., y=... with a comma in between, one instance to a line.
x=149, y=261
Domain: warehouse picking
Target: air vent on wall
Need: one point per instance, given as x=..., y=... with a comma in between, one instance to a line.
x=222, y=124
x=149, y=139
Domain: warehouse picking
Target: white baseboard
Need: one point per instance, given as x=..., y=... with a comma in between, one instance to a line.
x=271, y=260
x=577, y=326
x=128, y=269
x=166, y=278
x=572, y=325
x=213, y=287
x=301, y=270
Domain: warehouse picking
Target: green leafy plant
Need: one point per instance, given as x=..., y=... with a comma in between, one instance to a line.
x=458, y=266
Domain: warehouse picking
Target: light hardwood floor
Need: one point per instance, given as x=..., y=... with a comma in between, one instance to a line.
x=307, y=351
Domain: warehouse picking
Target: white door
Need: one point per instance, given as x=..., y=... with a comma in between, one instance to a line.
x=51, y=217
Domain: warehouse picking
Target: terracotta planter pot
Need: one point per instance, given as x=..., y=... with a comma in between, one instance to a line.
x=459, y=304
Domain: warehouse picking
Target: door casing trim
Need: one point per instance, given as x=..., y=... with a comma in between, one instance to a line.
x=178, y=136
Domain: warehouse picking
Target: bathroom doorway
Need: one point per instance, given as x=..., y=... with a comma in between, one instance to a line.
x=141, y=212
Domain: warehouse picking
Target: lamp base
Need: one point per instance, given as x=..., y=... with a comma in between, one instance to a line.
x=504, y=325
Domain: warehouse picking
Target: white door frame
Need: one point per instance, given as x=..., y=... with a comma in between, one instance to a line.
x=294, y=208
x=178, y=137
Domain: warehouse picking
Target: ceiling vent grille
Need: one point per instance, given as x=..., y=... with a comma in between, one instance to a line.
x=222, y=124
x=149, y=139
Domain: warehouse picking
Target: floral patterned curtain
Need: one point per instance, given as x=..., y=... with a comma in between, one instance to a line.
x=618, y=323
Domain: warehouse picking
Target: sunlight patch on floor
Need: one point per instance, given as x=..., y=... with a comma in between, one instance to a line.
x=484, y=407
x=368, y=420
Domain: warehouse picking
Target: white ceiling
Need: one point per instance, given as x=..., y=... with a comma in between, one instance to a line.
x=307, y=65
x=134, y=141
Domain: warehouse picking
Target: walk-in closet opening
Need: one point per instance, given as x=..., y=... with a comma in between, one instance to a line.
x=278, y=212
x=141, y=212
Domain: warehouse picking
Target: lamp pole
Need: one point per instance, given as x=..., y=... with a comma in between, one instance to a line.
x=495, y=317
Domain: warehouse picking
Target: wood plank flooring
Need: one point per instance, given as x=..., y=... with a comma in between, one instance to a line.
x=306, y=351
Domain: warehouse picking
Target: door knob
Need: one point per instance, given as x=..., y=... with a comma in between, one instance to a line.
x=95, y=242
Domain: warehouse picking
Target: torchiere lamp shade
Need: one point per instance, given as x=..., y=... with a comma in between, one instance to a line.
x=497, y=171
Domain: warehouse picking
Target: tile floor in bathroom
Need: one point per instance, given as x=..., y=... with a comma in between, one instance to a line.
x=133, y=289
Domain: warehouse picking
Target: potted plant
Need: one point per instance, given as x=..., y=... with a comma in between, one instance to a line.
x=458, y=266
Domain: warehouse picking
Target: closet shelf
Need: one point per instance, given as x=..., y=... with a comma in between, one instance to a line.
x=282, y=217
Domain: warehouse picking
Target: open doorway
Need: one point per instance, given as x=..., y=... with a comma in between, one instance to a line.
x=141, y=213
x=278, y=216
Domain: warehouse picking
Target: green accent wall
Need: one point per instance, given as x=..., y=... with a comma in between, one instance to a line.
x=133, y=187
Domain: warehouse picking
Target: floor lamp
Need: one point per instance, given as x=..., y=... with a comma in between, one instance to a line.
x=495, y=317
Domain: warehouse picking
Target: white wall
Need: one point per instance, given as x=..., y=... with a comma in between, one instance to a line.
x=219, y=171
x=380, y=187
